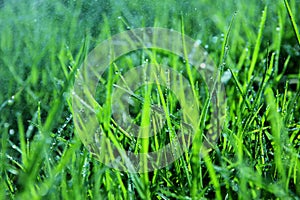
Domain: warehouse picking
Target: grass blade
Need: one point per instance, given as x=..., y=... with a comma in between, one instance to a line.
x=293, y=21
x=257, y=43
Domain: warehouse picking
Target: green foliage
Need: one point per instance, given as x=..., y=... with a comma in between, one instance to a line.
x=43, y=43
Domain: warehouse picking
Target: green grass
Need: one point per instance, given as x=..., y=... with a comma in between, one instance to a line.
x=42, y=45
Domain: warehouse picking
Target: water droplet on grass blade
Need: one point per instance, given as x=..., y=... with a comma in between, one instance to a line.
x=226, y=76
x=215, y=39
x=11, y=131
x=6, y=125
x=202, y=65
x=197, y=43
x=11, y=100
x=30, y=128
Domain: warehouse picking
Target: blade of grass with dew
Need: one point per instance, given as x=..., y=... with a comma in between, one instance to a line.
x=188, y=67
x=266, y=77
x=239, y=87
x=22, y=139
x=257, y=44
x=225, y=45
x=277, y=129
x=144, y=131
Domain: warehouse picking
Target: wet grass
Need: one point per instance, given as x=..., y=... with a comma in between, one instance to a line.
x=255, y=44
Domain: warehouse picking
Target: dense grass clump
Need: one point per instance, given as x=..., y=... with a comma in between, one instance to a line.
x=255, y=44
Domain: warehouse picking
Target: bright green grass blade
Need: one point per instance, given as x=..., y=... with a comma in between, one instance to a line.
x=257, y=44
x=225, y=45
x=264, y=81
x=213, y=176
x=293, y=21
x=277, y=132
x=22, y=139
x=239, y=87
x=145, y=130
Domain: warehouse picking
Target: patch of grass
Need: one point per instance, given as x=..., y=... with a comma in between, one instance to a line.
x=42, y=45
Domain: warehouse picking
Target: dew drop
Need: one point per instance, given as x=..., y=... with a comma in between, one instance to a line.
x=197, y=43
x=226, y=77
x=202, y=65
x=215, y=39
x=30, y=128
x=6, y=125
x=11, y=100
x=11, y=131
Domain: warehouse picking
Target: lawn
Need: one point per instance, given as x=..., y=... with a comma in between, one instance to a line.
x=238, y=110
